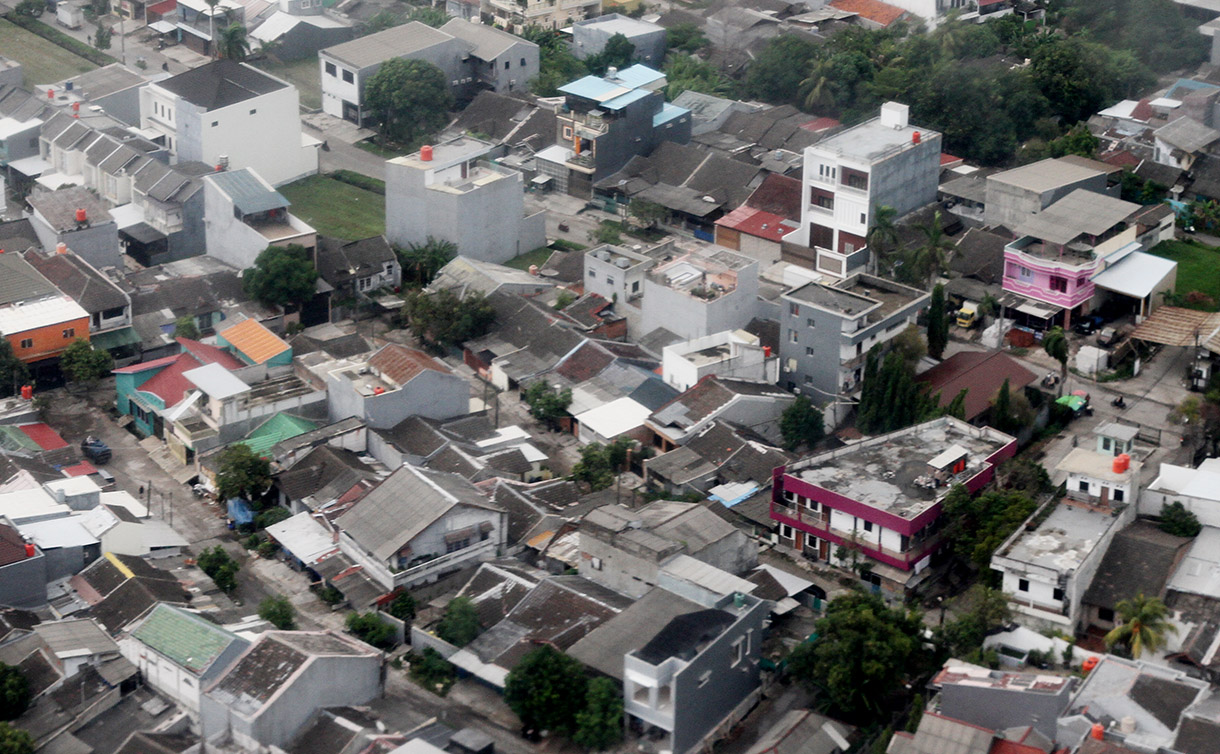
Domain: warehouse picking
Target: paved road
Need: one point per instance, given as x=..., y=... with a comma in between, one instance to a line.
x=130, y=46
x=341, y=155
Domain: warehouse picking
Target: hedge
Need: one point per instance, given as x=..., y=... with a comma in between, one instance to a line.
x=75, y=46
x=359, y=180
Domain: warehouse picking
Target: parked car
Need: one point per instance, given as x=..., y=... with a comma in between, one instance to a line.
x=95, y=450
x=1088, y=325
x=1107, y=336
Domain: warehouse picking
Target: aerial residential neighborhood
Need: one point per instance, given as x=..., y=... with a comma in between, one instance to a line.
x=570, y=376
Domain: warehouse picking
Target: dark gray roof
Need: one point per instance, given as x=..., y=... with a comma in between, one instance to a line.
x=21, y=281
x=17, y=235
x=1140, y=560
x=77, y=278
x=980, y=255
x=603, y=648
x=133, y=598
x=415, y=436
x=684, y=635
x=221, y=83
x=1162, y=698
x=250, y=195
x=340, y=261
x=653, y=393
x=1197, y=735
x=322, y=466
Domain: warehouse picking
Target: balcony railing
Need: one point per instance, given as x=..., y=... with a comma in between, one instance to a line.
x=819, y=523
x=442, y=563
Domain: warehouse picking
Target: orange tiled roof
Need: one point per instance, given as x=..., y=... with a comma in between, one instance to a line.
x=256, y=342
x=874, y=10
x=402, y=364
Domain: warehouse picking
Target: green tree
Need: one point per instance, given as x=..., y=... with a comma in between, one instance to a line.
x=1001, y=408
x=983, y=609
x=929, y=258
x=1055, y=343
x=14, y=692
x=13, y=371
x=15, y=740
x=379, y=21
x=1143, y=623
x=402, y=606
x=547, y=690
x=30, y=8
x=882, y=238
x=607, y=231
x=185, y=327
x=556, y=63
x=271, y=516
x=863, y=652
x=917, y=705
x=242, y=473
x=938, y=323
x=460, y=624
x=890, y=398
x=82, y=363
x=434, y=17
x=1178, y=521
x=618, y=53
x=233, y=43
x=977, y=524
x=279, y=612
x=802, y=423
x=220, y=567
x=282, y=276
x=101, y=37
x=1079, y=140
x=422, y=261
x=957, y=407
x=371, y=629
x=547, y=405
x=646, y=212
x=686, y=38
x=411, y=98
x=600, y=464
x=599, y=726
x=446, y=320
x=775, y=75
x=685, y=72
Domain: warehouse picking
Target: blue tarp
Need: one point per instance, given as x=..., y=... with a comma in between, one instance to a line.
x=239, y=511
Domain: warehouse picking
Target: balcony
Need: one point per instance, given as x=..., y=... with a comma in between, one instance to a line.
x=817, y=523
x=443, y=563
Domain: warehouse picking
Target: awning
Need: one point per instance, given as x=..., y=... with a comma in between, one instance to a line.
x=143, y=233
x=112, y=339
x=54, y=181
x=31, y=167
x=1041, y=311
x=163, y=27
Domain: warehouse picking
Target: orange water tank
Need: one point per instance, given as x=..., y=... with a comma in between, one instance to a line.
x=378, y=390
x=27, y=392
x=425, y=153
x=1098, y=732
x=81, y=215
x=29, y=550
x=1090, y=662
x=1121, y=463
x=61, y=248
x=916, y=137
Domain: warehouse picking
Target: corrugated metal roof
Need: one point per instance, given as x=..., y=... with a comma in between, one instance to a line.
x=278, y=428
x=20, y=281
x=249, y=193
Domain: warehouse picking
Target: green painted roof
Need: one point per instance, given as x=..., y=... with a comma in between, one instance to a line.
x=186, y=639
x=12, y=438
x=277, y=429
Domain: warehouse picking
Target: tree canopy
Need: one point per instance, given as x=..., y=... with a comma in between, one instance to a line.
x=618, y=53
x=220, y=567
x=802, y=423
x=863, y=651
x=411, y=98
x=445, y=319
x=15, y=740
x=547, y=690
x=938, y=323
x=242, y=473
x=82, y=363
x=599, y=725
x=13, y=371
x=460, y=624
x=1143, y=623
x=281, y=276
x=371, y=629
x=556, y=63
x=1176, y=520
x=890, y=398
x=14, y=692
x=233, y=43
x=599, y=464
x=279, y=612
x=547, y=405
x=421, y=261
x=185, y=327
x=977, y=524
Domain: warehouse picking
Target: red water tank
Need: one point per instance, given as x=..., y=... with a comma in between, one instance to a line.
x=534, y=270
x=76, y=107
x=378, y=390
x=81, y=215
x=1121, y=463
x=27, y=392
x=766, y=352
x=1098, y=732
x=29, y=550
x=61, y=248
x=425, y=153
x=1089, y=663
x=916, y=137
x=50, y=94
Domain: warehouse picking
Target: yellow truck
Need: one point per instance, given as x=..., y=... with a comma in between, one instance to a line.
x=968, y=315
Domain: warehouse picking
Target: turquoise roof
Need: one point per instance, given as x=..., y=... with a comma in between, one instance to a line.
x=185, y=638
x=607, y=91
x=277, y=429
x=668, y=112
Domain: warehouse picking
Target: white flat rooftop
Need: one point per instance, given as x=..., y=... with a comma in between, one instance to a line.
x=1063, y=540
x=19, y=318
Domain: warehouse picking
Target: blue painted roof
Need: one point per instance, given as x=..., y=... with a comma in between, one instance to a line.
x=639, y=75
x=1185, y=86
x=668, y=112
x=621, y=101
x=606, y=90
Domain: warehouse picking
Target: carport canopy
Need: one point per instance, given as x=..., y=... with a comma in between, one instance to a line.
x=1176, y=326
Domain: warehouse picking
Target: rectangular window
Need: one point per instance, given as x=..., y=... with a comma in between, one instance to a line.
x=1059, y=284
x=1025, y=274
x=597, y=564
x=507, y=64
x=863, y=219
x=855, y=179
x=252, y=112
x=794, y=309
x=1105, y=443
x=1118, y=495
x=740, y=648
x=70, y=332
x=215, y=123
x=809, y=322
x=27, y=342
x=785, y=531
x=348, y=77
x=461, y=544
x=868, y=526
x=792, y=336
x=1022, y=585
x=808, y=350
x=1057, y=595
x=330, y=69
x=1105, y=614
x=635, y=287
x=567, y=133
x=1084, y=486
x=522, y=62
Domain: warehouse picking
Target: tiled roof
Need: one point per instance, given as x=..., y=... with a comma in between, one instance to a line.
x=133, y=598
x=402, y=364
x=755, y=222
x=1140, y=560
x=588, y=360
x=169, y=384
x=77, y=278
x=980, y=373
x=208, y=354
x=779, y=195
x=254, y=341
x=20, y=280
x=876, y=11
x=186, y=639
x=46, y=437
x=12, y=546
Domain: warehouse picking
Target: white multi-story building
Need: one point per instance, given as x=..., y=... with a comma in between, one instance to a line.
x=231, y=113
x=882, y=162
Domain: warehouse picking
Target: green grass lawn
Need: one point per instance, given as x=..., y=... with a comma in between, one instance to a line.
x=44, y=61
x=538, y=256
x=304, y=74
x=336, y=209
x=1198, y=266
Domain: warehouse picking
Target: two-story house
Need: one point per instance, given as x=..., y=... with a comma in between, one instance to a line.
x=355, y=269
x=880, y=499
x=472, y=56
x=394, y=383
x=826, y=332
x=74, y=216
x=549, y=14
x=419, y=524
x=108, y=305
x=1059, y=250
x=36, y=317
x=245, y=215
x=698, y=289
x=885, y=161
x=607, y=120
x=231, y=114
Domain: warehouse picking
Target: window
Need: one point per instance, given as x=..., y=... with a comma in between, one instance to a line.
x=610, y=280
x=331, y=70
x=215, y=123
x=508, y=64
x=522, y=62
x=567, y=133
x=597, y=564
x=863, y=219
x=1105, y=443
x=460, y=544
x=808, y=350
x=809, y=322
x=868, y=526
x=1059, y=283
x=1057, y=595
x=703, y=679
x=1118, y=495
x=1025, y=273
x=363, y=284
x=739, y=649
x=592, y=273
x=253, y=111
x=635, y=287
x=785, y=531
x=1105, y=615
x=1022, y=585
x=69, y=332
x=348, y=77
x=1084, y=486
x=792, y=336
x=27, y=342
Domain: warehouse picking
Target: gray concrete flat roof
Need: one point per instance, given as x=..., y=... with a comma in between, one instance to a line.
x=1063, y=540
x=1045, y=175
x=871, y=141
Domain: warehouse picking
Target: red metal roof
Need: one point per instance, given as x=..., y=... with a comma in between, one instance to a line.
x=1121, y=159
x=949, y=160
x=169, y=385
x=980, y=373
x=207, y=354
x=778, y=194
x=876, y=11
x=47, y=438
x=146, y=365
x=755, y=222
x=402, y=364
x=163, y=7
x=84, y=468
x=1143, y=111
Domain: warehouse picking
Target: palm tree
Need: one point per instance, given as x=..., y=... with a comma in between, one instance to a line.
x=1055, y=343
x=818, y=95
x=882, y=237
x=1143, y=625
x=929, y=258
x=233, y=43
